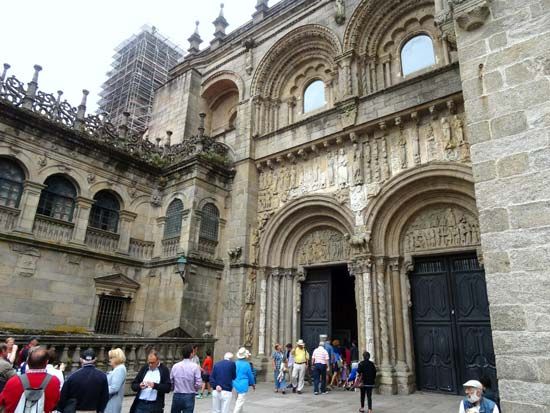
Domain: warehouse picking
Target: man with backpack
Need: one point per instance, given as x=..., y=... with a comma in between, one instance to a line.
x=86, y=389
x=33, y=392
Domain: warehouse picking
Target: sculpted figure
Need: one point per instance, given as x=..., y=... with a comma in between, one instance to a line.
x=340, y=16
x=343, y=178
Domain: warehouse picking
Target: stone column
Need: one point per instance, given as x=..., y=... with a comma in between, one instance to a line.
x=407, y=267
x=386, y=379
x=415, y=139
x=290, y=276
x=158, y=236
x=81, y=220
x=263, y=308
x=125, y=231
x=367, y=307
x=296, y=313
x=275, y=280
x=28, y=204
x=282, y=306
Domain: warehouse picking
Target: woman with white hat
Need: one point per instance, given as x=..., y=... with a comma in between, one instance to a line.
x=244, y=379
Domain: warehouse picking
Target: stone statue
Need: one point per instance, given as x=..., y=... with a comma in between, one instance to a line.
x=431, y=142
x=343, y=176
x=366, y=156
x=251, y=288
x=447, y=136
x=249, y=326
x=331, y=168
x=357, y=164
x=403, y=148
x=340, y=16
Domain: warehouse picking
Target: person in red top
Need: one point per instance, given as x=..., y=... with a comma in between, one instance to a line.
x=206, y=371
x=36, y=372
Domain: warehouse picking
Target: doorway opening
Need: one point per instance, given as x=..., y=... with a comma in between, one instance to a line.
x=328, y=305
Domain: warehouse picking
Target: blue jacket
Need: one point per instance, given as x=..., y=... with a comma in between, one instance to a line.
x=223, y=374
x=485, y=405
x=88, y=386
x=244, y=378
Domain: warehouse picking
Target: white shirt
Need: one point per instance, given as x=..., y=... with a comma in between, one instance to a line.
x=495, y=410
x=56, y=373
x=148, y=393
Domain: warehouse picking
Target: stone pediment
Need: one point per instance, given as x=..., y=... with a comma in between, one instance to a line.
x=116, y=284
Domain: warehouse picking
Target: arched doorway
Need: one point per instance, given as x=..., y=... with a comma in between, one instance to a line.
x=432, y=323
x=304, y=255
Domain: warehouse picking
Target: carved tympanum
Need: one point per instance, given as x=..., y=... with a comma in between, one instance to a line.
x=440, y=228
x=325, y=245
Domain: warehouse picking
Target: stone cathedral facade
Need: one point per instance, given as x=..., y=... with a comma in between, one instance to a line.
x=371, y=170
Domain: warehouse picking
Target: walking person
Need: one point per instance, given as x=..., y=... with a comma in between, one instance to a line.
x=289, y=363
x=320, y=361
x=301, y=360
x=279, y=368
x=151, y=384
x=366, y=375
x=6, y=368
x=243, y=380
x=116, y=379
x=12, y=350
x=206, y=370
x=186, y=381
x=221, y=380
x=330, y=351
x=86, y=389
x=36, y=377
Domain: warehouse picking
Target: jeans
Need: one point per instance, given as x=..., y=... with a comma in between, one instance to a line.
x=144, y=407
x=368, y=392
x=319, y=375
x=183, y=403
x=221, y=401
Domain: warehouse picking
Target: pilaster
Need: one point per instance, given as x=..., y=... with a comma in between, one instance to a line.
x=29, y=204
x=84, y=207
x=125, y=231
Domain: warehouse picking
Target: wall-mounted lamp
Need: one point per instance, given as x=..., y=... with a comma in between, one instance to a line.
x=182, y=267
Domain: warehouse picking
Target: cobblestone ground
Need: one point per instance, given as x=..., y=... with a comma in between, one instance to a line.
x=264, y=400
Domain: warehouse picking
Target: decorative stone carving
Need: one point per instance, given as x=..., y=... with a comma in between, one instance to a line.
x=343, y=172
x=342, y=195
x=448, y=140
x=326, y=245
x=340, y=14
x=473, y=16
x=431, y=142
x=42, y=161
x=234, y=254
x=359, y=243
x=249, y=326
x=156, y=198
x=402, y=143
x=27, y=260
x=249, y=45
x=250, y=296
x=441, y=228
x=357, y=166
x=348, y=114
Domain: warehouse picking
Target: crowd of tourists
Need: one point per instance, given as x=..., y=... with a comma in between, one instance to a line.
x=33, y=381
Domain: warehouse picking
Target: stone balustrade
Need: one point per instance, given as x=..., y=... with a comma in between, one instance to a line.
x=170, y=247
x=100, y=240
x=52, y=229
x=207, y=247
x=136, y=349
x=8, y=218
x=141, y=249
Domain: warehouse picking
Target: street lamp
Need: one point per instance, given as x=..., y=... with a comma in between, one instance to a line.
x=182, y=267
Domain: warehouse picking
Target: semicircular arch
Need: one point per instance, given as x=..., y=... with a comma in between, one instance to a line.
x=295, y=221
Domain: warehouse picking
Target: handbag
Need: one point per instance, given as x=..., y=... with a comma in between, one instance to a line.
x=358, y=382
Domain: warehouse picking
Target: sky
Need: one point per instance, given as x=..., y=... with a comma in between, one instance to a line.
x=74, y=40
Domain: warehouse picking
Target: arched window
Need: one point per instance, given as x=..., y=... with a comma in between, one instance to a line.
x=58, y=198
x=314, y=96
x=174, y=216
x=210, y=221
x=417, y=53
x=11, y=183
x=105, y=212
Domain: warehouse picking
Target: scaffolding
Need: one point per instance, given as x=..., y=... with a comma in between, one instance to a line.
x=140, y=66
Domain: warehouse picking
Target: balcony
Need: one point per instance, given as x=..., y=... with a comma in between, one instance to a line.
x=100, y=240
x=142, y=250
x=207, y=247
x=170, y=247
x=52, y=229
x=8, y=218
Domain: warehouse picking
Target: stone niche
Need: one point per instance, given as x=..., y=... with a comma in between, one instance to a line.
x=322, y=245
x=439, y=228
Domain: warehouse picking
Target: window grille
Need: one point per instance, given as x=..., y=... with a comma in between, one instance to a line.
x=11, y=183
x=417, y=53
x=109, y=314
x=57, y=200
x=174, y=216
x=105, y=212
x=210, y=221
x=314, y=96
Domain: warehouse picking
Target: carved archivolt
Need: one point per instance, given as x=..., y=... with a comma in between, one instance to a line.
x=440, y=228
x=325, y=245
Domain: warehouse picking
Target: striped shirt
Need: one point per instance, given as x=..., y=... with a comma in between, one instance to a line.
x=320, y=356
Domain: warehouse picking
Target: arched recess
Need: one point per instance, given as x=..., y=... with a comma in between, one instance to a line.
x=377, y=31
x=221, y=94
x=288, y=227
x=305, y=54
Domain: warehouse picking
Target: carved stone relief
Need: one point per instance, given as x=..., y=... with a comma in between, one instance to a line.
x=440, y=228
x=326, y=245
x=27, y=260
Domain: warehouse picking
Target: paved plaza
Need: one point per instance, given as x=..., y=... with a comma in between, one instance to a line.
x=264, y=400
